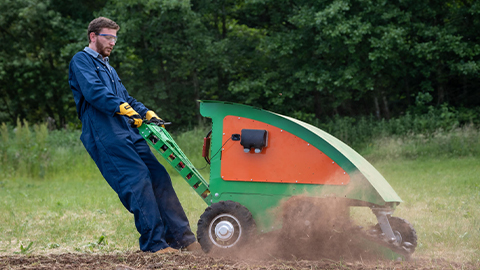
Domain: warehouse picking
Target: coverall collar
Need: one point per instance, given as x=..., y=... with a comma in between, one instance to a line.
x=98, y=56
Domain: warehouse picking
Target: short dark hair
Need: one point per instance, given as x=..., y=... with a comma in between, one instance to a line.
x=99, y=23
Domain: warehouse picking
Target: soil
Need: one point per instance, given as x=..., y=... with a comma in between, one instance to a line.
x=187, y=260
x=307, y=240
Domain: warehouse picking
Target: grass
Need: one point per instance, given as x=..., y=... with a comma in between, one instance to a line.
x=56, y=198
x=441, y=199
x=68, y=214
x=60, y=201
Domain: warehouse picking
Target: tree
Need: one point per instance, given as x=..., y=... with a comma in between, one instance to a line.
x=37, y=44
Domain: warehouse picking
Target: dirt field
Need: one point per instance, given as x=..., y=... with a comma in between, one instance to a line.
x=337, y=249
x=328, y=244
x=188, y=260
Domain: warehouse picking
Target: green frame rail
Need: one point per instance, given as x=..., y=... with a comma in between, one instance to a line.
x=159, y=139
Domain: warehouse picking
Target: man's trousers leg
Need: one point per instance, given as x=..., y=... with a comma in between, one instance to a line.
x=177, y=229
x=123, y=168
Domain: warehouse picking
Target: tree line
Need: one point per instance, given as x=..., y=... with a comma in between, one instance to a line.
x=312, y=60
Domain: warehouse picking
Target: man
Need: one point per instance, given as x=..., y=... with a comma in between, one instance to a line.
x=122, y=155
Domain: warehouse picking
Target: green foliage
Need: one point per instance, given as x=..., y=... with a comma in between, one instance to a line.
x=436, y=123
x=53, y=246
x=23, y=151
x=25, y=250
x=99, y=244
x=311, y=60
x=35, y=152
x=33, y=71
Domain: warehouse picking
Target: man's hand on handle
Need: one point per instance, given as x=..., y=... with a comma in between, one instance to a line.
x=127, y=110
x=152, y=117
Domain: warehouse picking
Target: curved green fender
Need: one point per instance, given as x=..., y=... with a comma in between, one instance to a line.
x=366, y=187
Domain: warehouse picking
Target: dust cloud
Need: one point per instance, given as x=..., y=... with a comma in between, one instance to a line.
x=313, y=229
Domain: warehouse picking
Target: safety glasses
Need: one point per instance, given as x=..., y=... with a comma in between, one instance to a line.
x=110, y=38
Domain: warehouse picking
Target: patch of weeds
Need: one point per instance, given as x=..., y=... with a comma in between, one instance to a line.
x=24, y=250
x=100, y=243
x=53, y=245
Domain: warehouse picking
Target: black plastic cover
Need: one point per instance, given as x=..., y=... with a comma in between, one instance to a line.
x=254, y=138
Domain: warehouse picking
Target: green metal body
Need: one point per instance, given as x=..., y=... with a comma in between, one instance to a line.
x=367, y=187
x=158, y=138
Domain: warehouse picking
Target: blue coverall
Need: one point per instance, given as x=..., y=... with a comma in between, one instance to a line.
x=122, y=155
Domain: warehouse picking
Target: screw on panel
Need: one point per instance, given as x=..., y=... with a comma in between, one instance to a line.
x=216, y=194
x=281, y=130
x=223, y=149
x=333, y=162
x=223, y=134
x=308, y=144
x=343, y=172
x=238, y=117
x=296, y=181
x=222, y=176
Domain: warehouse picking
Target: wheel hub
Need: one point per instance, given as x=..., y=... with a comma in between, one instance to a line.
x=224, y=230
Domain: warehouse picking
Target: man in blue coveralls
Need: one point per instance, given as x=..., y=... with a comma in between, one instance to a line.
x=122, y=155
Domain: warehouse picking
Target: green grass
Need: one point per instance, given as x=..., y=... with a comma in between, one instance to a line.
x=441, y=199
x=68, y=214
x=60, y=201
x=57, y=199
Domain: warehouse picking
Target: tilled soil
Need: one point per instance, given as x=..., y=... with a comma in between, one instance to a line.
x=187, y=260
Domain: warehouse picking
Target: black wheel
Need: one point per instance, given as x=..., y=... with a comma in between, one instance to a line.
x=403, y=231
x=224, y=225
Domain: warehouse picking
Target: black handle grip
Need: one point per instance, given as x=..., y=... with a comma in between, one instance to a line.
x=131, y=121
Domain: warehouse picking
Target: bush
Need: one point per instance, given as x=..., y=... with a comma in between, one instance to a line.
x=361, y=132
x=36, y=152
x=23, y=151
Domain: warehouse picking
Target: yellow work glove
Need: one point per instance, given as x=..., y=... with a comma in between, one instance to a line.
x=127, y=110
x=152, y=117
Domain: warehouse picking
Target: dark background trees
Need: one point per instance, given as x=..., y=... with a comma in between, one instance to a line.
x=309, y=59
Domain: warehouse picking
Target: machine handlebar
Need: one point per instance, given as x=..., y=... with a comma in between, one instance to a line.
x=158, y=123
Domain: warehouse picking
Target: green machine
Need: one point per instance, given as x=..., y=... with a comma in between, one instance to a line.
x=272, y=172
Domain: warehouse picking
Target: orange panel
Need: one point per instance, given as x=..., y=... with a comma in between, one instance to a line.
x=286, y=159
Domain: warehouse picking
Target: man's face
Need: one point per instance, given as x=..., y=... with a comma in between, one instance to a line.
x=104, y=42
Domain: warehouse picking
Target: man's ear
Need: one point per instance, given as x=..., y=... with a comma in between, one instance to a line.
x=92, y=36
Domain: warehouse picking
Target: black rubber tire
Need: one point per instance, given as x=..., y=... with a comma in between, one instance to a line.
x=405, y=229
x=244, y=228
